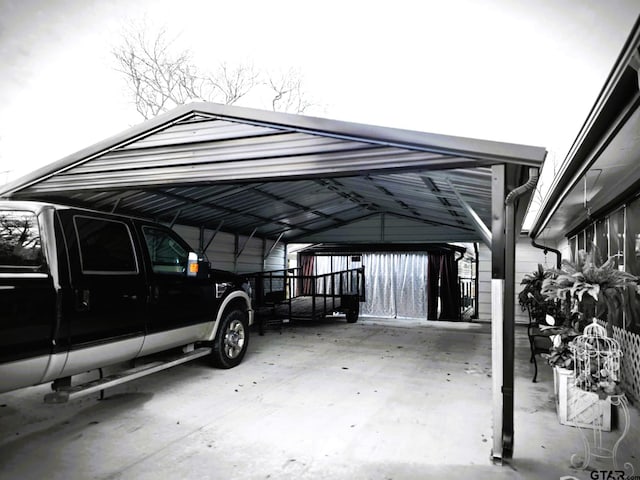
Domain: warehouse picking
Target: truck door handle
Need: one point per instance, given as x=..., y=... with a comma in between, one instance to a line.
x=83, y=300
x=154, y=293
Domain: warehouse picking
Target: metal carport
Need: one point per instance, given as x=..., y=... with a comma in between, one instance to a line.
x=295, y=178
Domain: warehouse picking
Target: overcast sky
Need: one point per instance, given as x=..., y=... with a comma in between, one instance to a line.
x=515, y=71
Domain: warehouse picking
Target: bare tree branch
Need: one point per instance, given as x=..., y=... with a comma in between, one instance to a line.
x=157, y=78
x=234, y=82
x=288, y=95
x=160, y=77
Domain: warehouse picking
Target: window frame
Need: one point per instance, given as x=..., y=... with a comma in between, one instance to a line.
x=41, y=267
x=176, y=238
x=84, y=271
x=617, y=236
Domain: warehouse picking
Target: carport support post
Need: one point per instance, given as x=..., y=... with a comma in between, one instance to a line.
x=502, y=386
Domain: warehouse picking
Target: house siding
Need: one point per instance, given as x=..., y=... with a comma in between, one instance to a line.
x=527, y=259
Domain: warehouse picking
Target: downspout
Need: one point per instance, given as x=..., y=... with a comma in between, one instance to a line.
x=522, y=189
x=549, y=249
x=508, y=319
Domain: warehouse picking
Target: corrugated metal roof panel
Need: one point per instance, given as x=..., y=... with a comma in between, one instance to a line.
x=206, y=165
x=305, y=205
x=260, y=147
x=203, y=131
x=194, y=170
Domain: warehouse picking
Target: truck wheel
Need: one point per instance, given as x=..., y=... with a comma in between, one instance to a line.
x=352, y=315
x=231, y=341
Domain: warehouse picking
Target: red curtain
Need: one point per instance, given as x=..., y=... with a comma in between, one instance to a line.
x=433, y=279
x=307, y=262
x=442, y=283
x=449, y=288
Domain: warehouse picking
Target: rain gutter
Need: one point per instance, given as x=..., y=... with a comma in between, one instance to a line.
x=605, y=118
x=549, y=249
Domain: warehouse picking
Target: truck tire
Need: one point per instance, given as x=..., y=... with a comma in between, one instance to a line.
x=232, y=340
x=352, y=315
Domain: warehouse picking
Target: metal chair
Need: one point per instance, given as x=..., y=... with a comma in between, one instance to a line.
x=539, y=341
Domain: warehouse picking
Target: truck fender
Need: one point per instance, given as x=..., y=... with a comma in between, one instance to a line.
x=233, y=297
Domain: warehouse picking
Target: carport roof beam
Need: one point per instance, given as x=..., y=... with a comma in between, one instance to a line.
x=175, y=218
x=213, y=236
x=275, y=244
x=246, y=242
x=481, y=228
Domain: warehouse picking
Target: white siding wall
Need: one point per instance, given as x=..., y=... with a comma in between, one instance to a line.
x=221, y=251
x=527, y=259
x=277, y=260
x=251, y=258
x=565, y=248
x=484, y=283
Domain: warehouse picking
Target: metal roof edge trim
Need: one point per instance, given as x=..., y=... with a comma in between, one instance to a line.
x=574, y=162
x=402, y=138
x=145, y=128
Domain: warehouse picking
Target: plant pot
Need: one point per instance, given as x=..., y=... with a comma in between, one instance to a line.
x=578, y=408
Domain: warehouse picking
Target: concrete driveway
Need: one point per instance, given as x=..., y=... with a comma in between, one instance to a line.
x=372, y=400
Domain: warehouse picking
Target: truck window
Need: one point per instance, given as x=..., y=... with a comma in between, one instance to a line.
x=105, y=246
x=20, y=247
x=167, y=254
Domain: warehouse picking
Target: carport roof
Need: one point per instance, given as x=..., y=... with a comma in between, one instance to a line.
x=278, y=175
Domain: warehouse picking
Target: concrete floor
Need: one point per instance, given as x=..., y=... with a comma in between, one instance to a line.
x=372, y=400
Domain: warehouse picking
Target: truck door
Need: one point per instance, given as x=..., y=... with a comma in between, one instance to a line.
x=108, y=321
x=27, y=301
x=177, y=301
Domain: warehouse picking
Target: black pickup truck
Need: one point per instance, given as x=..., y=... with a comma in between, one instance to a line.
x=81, y=290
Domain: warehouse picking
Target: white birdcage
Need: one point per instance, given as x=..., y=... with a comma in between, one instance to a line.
x=596, y=360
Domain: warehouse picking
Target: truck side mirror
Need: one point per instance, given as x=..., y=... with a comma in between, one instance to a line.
x=196, y=266
x=193, y=266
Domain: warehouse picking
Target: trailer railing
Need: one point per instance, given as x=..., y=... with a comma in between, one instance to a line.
x=468, y=296
x=326, y=293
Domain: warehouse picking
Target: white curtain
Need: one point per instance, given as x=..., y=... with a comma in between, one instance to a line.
x=324, y=264
x=329, y=264
x=396, y=285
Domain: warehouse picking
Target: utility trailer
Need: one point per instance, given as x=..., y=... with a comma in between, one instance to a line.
x=291, y=295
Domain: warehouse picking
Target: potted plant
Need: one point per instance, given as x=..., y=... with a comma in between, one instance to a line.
x=543, y=311
x=561, y=336
x=590, y=288
x=531, y=293
x=586, y=289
